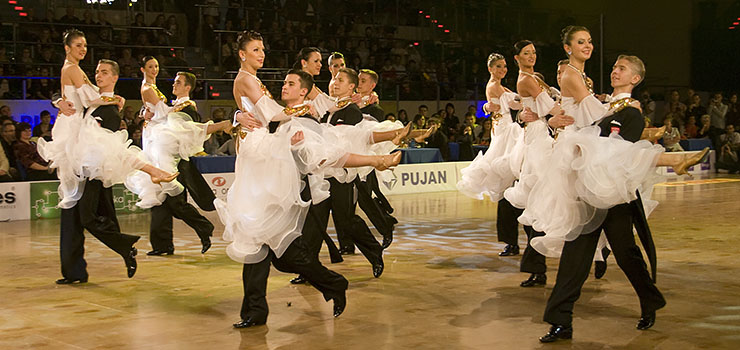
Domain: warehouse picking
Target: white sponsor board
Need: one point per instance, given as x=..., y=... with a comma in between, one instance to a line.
x=220, y=183
x=420, y=178
x=15, y=201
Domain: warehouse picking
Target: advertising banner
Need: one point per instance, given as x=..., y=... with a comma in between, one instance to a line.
x=14, y=201
x=44, y=199
x=419, y=178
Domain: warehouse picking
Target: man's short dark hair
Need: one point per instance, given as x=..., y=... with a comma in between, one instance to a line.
x=423, y=106
x=352, y=74
x=371, y=73
x=305, y=78
x=45, y=113
x=189, y=79
x=113, y=65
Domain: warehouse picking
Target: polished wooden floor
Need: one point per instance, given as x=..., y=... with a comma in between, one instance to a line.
x=444, y=287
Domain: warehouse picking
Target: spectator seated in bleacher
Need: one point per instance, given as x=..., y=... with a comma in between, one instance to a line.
x=36, y=168
x=43, y=129
x=671, y=137
x=729, y=145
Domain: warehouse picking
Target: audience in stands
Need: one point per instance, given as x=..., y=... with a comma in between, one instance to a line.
x=671, y=137
x=674, y=106
x=420, y=122
x=729, y=145
x=733, y=111
x=690, y=130
x=43, y=129
x=403, y=117
x=484, y=137
x=438, y=139
x=705, y=127
x=36, y=168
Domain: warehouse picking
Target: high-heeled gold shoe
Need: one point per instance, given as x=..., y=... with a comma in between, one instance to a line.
x=395, y=159
x=168, y=178
x=682, y=167
x=653, y=134
x=402, y=134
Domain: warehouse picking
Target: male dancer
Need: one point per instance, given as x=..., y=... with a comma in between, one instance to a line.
x=341, y=203
x=335, y=62
x=296, y=258
x=95, y=210
x=366, y=98
x=378, y=209
x=160, y=230
x=575, y=261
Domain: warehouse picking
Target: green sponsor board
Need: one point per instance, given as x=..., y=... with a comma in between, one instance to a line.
x=44, y=200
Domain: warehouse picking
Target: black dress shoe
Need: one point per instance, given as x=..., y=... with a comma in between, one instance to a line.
x=158, y=252
x=130, y=261
x=646, y=321
x=599, y=269
x=510, y=250
x=340, y=303
x=387, y=240
x=346, y=251
x=248, y=323
x=298, y=280
x=206, y=245
x=557, y=332
x=71, y=280
x=378, y=269
x=535, y=279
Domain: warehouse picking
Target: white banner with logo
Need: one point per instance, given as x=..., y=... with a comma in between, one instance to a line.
x=420, y=178
x=15, y=201
x=220, y=183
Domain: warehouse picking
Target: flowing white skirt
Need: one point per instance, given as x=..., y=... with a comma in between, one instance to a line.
x=588, y=174
x=264, y=210
x=177, y=138
x=491, y=173
x=537, y=147
x=81, y=149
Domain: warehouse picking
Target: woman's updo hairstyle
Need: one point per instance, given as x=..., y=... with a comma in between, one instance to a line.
x=70, y=35
x=246, y=36
x=567, y=33
x=519, y=46
x=304, y=54
x=146, y=59
x=493, y=58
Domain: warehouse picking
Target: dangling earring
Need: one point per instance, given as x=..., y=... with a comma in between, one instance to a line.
x=569, y=53
x=243, y=59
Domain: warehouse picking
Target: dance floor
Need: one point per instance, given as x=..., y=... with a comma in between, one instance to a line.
x=444, y=287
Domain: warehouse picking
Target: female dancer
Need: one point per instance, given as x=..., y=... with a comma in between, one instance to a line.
x=75, y=137
x=276, y=198
x=264, y=212
x=585, y=181
x=495, y=171
x=602, y=175
x=536, y=148
x=168, y=137
x=537, y=141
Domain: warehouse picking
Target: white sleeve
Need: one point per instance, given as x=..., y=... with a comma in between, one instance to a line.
x=268, y=110
x=160, y=110
x=589, y=111
x=544, y=104
x=87, y=94
x=323, y=103
x=505, y=100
